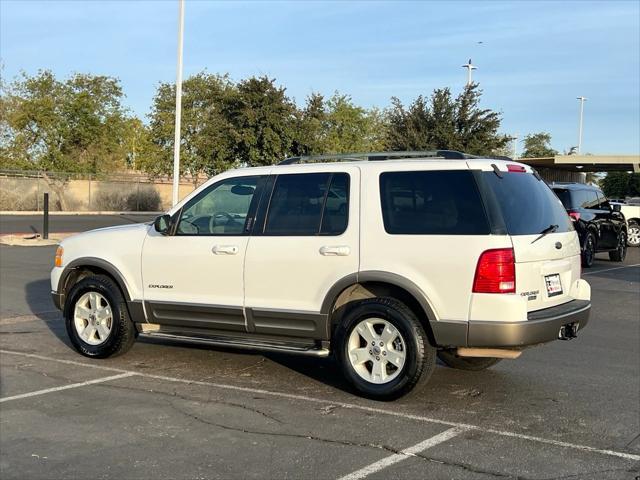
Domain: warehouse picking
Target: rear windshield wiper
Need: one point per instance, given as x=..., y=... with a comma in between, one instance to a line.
x=549, y=229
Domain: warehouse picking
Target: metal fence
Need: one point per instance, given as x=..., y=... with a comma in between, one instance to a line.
x=23, y=191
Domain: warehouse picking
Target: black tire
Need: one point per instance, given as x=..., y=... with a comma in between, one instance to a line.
x=633, y=234
x=474, y=364
x=123, y=332
x=589, y=250
x=619, y=254
x=420, y=356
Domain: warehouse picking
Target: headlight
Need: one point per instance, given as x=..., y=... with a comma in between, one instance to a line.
x=58, y=260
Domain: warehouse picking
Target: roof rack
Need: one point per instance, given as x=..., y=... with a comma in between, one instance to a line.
x=377, y=156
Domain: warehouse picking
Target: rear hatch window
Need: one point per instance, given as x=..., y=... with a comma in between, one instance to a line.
x=528, y=205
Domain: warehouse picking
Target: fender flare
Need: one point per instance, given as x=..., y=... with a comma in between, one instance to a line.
x=94, y=262
x=378, y=276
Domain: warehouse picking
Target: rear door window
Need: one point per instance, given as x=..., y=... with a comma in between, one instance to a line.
x=432, y=203
x=308, y=204
x=528, y=205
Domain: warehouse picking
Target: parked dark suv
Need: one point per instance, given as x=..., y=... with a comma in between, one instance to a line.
x=600, y=226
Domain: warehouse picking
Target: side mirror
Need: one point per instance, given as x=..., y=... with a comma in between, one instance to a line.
x=616, y=208
x=162, y=224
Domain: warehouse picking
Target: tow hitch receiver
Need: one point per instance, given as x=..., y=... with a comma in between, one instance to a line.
x=569, y=331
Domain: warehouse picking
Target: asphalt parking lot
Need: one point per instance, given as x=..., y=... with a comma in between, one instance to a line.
x=563, y=410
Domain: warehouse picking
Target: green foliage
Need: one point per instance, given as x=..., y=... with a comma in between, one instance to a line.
x=442, y=122
x=621, y=184
x=76, y=125
x=538, y=145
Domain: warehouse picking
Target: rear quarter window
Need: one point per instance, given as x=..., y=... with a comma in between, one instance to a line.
x=432, y=203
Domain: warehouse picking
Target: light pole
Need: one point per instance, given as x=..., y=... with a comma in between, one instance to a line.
x=582, y=100
x=176, y=138
x=470, y=67
x=515, y=146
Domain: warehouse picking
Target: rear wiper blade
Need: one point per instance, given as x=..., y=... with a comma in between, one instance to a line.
x=549, y=229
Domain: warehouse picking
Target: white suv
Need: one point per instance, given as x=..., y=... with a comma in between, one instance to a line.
x=384, y=263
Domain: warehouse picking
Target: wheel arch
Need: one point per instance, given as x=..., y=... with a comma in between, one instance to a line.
x=369, y=284
x=82, y=267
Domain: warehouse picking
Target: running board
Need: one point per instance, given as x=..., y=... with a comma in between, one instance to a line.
x=249, y=344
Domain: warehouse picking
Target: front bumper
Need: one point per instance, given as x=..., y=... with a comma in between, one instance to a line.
x=541, y=326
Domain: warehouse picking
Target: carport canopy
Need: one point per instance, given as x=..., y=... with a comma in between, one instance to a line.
x=587, y=163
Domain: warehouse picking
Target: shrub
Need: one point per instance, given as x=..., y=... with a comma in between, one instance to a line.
x=14, y=201
x=111, y=200
x=146, y=199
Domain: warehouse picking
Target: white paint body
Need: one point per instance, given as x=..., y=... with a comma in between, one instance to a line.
x=290, y=273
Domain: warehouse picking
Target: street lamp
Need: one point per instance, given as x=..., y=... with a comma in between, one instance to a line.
x=176, y=138
x=582, y=100
x=470, y=67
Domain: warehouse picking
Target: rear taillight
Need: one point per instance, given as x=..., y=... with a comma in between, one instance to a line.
x=496, y=272
x=575, y=216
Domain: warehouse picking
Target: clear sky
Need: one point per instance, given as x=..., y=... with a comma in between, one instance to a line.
x=534, y=59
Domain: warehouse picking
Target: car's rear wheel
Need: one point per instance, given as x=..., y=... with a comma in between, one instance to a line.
x=452, y=360
x=383, y=349
x=589, y=250
x=620, y=253
x=97, y=318
x=633, y=235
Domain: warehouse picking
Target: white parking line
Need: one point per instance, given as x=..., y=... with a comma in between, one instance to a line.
x=353, y=406
x=67, y=387
x=610, y=269
x=407, y=452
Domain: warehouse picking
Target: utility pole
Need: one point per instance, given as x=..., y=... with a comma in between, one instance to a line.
x=176, y=139
x=470, y=67
x=582, y=100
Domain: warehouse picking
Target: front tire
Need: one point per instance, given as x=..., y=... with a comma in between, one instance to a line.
x=619, y=254
x=589, y=250
x=474, y=364
x=383, y=349
x=97, y=319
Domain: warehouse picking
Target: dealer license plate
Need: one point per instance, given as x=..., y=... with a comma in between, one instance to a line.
x=554, y=287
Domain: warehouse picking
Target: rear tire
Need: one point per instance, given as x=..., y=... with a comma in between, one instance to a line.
x=620, y=253
x=589, y=250
x=97, y=319
x=474, y=364
x=383, y=349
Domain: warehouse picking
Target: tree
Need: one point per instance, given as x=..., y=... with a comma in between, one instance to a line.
x=264, y=121
x=207, y=136
x=621, y=184
x=538, y=145
x=77, y=125
x=444, y=123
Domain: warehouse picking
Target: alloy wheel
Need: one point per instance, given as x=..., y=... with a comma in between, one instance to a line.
x=93, y=318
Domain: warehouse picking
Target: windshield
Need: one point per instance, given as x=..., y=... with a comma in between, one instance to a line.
x=528, y=205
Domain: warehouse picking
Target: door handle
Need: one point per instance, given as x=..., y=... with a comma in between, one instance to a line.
x=225, y=249
x=335, y=251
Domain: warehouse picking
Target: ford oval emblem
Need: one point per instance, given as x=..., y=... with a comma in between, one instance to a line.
x=558, y=245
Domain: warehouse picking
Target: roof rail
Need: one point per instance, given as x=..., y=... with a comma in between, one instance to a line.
x=377, y=156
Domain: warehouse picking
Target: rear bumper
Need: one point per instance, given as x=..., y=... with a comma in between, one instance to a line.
x=541, y=326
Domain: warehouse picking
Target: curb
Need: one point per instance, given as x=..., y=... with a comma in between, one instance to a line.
x=106, y=212
x=33, y=240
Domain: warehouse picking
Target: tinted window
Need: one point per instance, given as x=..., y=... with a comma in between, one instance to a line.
x=565, y=197
x=589, y=199
x=308, y=204
x=219, y=210
x=432, y=203
x=528, y=205
x=603, y=203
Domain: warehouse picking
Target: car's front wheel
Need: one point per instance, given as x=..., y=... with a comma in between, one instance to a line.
x=633, y=237
x=383, y=349
x=97, y=318
x=620, y=252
